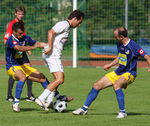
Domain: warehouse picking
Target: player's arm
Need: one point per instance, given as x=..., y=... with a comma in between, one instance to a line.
x=8, y=32
x=29, y=52
x=42, y=44
x=148, y=61
x=113, y=63
x=51, y=35
x=27, y=48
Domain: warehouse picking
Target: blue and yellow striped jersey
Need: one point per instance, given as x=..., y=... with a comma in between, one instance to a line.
x=128, y=57
x=15, y=57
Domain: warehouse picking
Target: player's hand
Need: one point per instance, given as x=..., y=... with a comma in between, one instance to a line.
x=148, y=70
x=42, y=44
x=106, y=67
x=39, y=45
x=47, y=51
x=29, y=53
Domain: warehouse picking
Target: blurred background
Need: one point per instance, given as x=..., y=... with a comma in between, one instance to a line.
x=95, y=35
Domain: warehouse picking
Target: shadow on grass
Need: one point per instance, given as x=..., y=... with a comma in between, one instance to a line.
x=129, y=113
x=137, y=113
x=29, y=109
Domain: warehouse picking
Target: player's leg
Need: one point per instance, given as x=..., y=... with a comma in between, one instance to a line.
x=99, y=85
x=60, y=97
x=122, y=82
x=55, y=65
x=49, y=92
x=20, y=76
x=37, y=76
x=30, y=96
x=11, y=82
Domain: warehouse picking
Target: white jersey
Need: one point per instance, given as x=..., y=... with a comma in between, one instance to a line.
x=62, y=29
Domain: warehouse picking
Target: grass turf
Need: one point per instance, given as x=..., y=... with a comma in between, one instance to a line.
x=78, y=82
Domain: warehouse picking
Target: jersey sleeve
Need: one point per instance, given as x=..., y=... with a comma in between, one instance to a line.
x=59, y=27
x=138, y=51
x=30, y=41
x=8, y=31
x=11, y=43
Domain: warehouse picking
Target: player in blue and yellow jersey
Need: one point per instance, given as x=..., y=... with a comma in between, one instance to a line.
x=19, y=15
x=128, y=52
x=16, y=47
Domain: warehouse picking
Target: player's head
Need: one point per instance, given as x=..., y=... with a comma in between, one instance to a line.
x=18, y=30
x=20, y=12
x=120, y=33
x=75, y=18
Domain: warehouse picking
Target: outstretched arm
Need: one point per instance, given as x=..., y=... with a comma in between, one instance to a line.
x=148, y=61
x=51, y=35
x=28, y=48
x=113, y=63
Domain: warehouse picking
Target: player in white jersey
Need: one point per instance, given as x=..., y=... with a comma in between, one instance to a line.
x=57, y=37
x=53, y=61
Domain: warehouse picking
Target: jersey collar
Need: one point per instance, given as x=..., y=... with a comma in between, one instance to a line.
x=127, y=42
x=15, y=37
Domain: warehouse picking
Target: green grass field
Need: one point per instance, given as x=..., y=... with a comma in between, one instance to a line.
x=78, y=82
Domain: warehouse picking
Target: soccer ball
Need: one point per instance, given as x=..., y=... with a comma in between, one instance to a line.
x=60, y=106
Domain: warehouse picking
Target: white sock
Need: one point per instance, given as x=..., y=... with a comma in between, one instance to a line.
x=16, y=100
x=50, y=97
x=44, y=95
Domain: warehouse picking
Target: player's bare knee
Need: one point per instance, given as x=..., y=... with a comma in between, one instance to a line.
x=96, y=86
x=116, y=87
x=23, y=78
x=42, y=78
x=60, y=81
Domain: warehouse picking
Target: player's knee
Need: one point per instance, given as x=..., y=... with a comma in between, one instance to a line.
x=60, y=81
x=96, y=86
x=23, y=78
x=42, y=78
x=116, y=87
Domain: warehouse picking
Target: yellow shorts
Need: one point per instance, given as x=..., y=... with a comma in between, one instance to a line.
x=27, y=70
x=113, y=77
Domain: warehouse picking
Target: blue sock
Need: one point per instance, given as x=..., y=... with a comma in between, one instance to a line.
x=90, y=98
x=120, y=99
x=56, y=93
x=44, y=84
x=18, y=91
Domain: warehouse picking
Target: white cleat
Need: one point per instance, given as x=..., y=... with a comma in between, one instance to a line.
x=121, y=115
x=79, y=111
x=42, y=104
x=16, y=107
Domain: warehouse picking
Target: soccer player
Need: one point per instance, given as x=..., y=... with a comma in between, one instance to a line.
x=57, y=37
x=128, y=52
x=16, y=47
x=19, y=15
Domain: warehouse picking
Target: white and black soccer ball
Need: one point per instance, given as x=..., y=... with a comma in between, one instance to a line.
x=60, y=106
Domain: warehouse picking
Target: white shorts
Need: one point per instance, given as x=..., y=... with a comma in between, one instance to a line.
x=54, y=64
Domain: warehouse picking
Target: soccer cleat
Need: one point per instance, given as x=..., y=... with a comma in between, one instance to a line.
x=69, y=99
x=16, y=107
x=65, y=98
x=79, y=111
x=10, y=98
x=42, y=104
x=30, y=99
x=121, y=115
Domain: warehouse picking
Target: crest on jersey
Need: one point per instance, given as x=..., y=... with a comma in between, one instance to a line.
x=127, y=52
x=141, y=51
x=14, y=42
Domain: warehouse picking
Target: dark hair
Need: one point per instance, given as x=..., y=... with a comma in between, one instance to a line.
x=18, y=25
x=20, y=8
x=122, y=31
x=76, y=13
